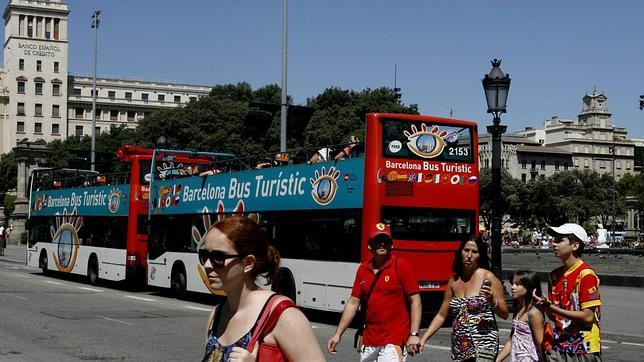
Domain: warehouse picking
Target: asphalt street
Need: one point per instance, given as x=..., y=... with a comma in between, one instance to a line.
x=63, y=319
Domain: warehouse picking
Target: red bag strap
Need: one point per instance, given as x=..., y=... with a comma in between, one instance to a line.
x=268, y=319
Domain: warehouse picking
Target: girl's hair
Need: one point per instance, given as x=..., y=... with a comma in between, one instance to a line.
x=250, y=239
x=530, y=281
x=484, y=261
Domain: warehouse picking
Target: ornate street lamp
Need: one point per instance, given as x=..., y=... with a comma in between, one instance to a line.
x=496, y=85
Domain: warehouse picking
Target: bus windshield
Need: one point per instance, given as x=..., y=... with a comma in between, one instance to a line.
x=426, y=140
x=408, y=223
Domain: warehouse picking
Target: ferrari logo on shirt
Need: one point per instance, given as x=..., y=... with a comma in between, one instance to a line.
x=380, y=226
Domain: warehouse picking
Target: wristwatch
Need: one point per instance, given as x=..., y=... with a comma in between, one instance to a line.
x=414, y=334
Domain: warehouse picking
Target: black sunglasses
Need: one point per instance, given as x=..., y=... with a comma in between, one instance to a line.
x=217, y=258
x=380, y=240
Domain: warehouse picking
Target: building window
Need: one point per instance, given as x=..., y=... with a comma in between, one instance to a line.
x=557, y=165
x=79, y=131
x=586, y=164
x=48, y=28
x=80, y=113
x=21, y=24
x=144, y=97
x=38, y=65
x=56, y=67
x=533, y=164
x=128, y=96
x=21, y=64
x=55, y=128
x=619, y=165
x=97, y=130
x=38, y=110
x=177, y=99
x=161, y=98
x=114, y=115
x=193, y=99
x=523, y=177
x=38, y=127
x=21, y=109
x=30, y=26
x=543, y=165
x=21, y=127
x=55, y=90
x=130, y=116
x=38, y=88
x=21, y=87
x=56, y=28
x=523, y=164
x=111, y=95
x=565, y=165
x=76, y=92
x=55, y=110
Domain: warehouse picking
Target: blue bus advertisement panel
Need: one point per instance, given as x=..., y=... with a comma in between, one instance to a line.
x=87, y=201
x=328, y=185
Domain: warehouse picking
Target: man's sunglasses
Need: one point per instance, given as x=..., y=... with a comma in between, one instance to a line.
x=216, y=257
x=380, y=240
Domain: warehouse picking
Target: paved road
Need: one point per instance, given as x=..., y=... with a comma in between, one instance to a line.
x=63, y=319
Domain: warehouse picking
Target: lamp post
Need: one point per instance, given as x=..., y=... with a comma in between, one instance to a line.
x=95, y=22
x=283, y=115
x=496, y=85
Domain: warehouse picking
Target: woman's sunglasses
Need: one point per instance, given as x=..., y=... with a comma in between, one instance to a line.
x=217, y=258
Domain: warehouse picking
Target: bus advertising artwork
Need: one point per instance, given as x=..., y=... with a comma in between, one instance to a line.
x=98, y=200
x=302, y=187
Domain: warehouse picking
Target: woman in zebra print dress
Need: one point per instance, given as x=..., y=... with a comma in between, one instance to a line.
x=472, y=297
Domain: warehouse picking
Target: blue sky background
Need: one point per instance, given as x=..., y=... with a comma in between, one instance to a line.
x=555, y=51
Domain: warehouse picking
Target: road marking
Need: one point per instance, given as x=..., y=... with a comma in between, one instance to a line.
x=140, y=298
x=14, y=260
x=116, y=320
x=633, y=344
x=55, y=283
x=16, y=296
x=198, y=308
x=91, y=289
x=23, y=276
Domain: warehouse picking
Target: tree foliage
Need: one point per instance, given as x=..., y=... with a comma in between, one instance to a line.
x=8, y=174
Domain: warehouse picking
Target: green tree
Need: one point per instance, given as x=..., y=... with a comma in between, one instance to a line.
x=511, y=189
x=8, y=173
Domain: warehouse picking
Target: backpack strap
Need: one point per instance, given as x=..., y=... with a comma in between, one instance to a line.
x=268, y=319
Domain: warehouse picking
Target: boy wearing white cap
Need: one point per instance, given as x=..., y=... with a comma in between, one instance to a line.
x=573, y=302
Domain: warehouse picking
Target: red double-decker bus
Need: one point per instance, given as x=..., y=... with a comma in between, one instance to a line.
x=419, y=174
x=421, y=177
x=93, y=224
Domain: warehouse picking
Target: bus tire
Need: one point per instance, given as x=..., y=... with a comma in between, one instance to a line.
x=43, y=262
x=285, y=284
x=92, y=270
x=178, y=281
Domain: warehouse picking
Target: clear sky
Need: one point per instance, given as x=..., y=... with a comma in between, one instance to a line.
x=555, y=51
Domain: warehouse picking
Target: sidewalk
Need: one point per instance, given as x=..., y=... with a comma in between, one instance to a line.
x=619, y=270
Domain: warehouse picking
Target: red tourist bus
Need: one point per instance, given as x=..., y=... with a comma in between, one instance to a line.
x=93, y=224
x=418, y=174
x=421, y=177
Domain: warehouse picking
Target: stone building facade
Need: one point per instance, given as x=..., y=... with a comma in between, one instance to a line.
x=40, y=99
x=591, y=142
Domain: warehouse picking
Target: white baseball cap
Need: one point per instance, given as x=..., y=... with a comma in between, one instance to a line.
x=569, y=229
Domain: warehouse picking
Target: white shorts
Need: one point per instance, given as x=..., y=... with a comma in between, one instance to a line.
x=386, y=353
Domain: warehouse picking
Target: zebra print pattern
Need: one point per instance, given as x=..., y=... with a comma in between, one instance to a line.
x=474, y=329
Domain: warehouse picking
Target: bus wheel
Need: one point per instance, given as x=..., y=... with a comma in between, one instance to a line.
x=284, y=284
x=43, y=262
x=92, y=271
x=178, y=282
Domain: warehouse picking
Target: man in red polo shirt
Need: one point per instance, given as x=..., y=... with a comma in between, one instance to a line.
x=393, y=308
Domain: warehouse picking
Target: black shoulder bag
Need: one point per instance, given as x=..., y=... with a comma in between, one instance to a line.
x=362, y=315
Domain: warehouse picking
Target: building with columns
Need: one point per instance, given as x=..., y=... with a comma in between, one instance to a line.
x=590, y=142
x=40, y=99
